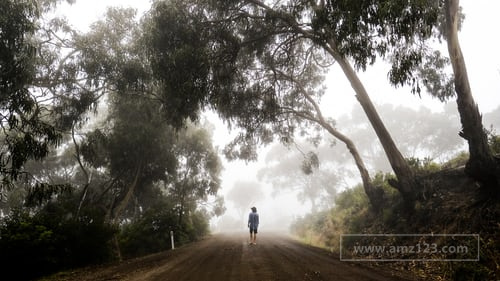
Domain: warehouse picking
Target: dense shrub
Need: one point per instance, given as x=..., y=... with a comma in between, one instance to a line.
x=199, y=221
x=148, y=234
x=49, y=241
x=151, y=232
x=324, y=228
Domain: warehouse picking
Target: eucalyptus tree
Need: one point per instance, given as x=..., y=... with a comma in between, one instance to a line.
x=136, y=146
x=44, y=94
x=260, y=65
x=133, y=145
x=197, y=173
x=266, y=96
x=139, y=148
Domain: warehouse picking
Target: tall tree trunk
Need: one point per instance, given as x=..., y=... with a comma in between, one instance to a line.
x=121, y=207
x=130, y=191
x=481, y=165
x=406, y=183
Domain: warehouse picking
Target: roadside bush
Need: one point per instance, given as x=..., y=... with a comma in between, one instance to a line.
x=199, y=221
x=314, y=229
x=324, y=228
x=49, y=241
x=148, y=234
x=26, y=243
x=151, y=232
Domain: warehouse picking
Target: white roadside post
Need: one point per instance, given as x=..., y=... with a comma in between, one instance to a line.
x=172, y=239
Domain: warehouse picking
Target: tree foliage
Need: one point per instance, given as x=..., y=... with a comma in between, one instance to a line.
x=425, y=133
x=150, y=232
x=42, y=96
x=197, y=174
x=179, y=68
x=267, y=64
x=26, y=134
x=138, y=148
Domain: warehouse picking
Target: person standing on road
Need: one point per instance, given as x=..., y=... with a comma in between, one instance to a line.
x=253, y=224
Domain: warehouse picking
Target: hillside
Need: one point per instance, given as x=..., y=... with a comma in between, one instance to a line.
x=448, y=203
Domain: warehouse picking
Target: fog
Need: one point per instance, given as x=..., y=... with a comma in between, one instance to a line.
x=281, y=191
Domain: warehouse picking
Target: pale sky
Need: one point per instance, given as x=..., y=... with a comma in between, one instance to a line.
x=479, y=41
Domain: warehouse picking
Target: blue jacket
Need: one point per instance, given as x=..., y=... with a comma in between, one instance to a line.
x=253, y=220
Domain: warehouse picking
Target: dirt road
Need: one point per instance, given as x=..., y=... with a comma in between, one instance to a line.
x=229, y=257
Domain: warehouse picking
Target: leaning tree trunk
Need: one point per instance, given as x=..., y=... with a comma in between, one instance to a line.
x=406, y=183
x=481, y=165
x=375, y=194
